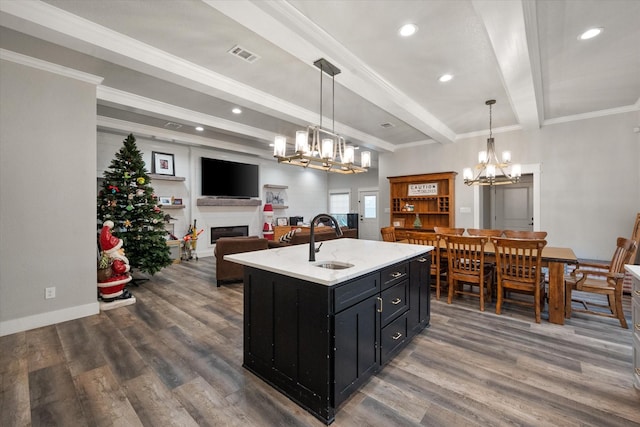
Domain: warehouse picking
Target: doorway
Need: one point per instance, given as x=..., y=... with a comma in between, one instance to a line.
x=482, y=203
x=369, y=227
x=510, y=207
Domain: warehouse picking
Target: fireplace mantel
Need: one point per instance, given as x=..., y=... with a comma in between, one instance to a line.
x=213, y=201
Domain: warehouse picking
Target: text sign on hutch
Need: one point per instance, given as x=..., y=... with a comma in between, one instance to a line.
x=428, y=189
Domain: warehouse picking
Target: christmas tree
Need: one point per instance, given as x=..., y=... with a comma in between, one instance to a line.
x=128, y=200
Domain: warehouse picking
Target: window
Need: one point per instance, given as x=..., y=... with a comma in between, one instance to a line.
x=370, y=206
x=339, y=202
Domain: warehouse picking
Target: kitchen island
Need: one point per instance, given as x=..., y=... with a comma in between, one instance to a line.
x=317, y=334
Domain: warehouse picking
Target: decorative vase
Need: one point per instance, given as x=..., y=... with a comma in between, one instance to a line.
x=417, y=223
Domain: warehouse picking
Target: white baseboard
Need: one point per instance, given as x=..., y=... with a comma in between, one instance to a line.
x=12, y=326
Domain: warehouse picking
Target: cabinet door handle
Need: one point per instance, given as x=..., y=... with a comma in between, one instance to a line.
x=637, y=293
x=396, y=274
x=421, y=260
x=397, y=336
x=380, y=307
x=396, y=301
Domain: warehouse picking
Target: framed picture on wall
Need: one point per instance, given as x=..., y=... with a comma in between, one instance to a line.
x=282, y=221
x=177, y=201
x=164, y=200
x=162, y=163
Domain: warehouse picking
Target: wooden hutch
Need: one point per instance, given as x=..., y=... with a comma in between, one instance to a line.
x=431, y=196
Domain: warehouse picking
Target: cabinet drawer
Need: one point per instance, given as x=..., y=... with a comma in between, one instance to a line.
x=394, y=274
x=392, y=337
x=395, y=301
x=353, y=292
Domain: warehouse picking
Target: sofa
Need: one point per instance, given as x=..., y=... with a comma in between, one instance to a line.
x=320, y=234
x=227, y=271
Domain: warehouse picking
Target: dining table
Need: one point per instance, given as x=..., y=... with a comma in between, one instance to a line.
x=556, y=259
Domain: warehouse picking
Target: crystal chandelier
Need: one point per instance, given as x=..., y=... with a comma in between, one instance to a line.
x=319, y=148
x=488, y=164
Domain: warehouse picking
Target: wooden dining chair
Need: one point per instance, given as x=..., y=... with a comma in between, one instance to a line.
x=521, y=234
x=388, y=234
x=602, y=279
x=449, y=230
x=486, y=232
x=438, y=274
x=489, y=266
x=465, y=258
x=519, y=267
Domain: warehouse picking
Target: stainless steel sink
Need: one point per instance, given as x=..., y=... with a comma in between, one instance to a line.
x=333, y=265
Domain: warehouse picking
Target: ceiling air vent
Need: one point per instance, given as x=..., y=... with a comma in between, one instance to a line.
x=242, y=53
x=172, y=125
x=387, y=125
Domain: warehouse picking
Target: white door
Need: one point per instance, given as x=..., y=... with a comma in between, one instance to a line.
x=369, y=228
x=513, y=206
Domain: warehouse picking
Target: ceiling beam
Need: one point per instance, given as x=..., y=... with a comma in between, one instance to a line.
x=283, y=25
x=507, y=24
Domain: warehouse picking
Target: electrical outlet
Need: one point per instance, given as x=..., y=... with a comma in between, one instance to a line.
x=50, y=292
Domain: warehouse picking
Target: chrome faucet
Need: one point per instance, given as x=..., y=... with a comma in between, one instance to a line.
x=312, y=239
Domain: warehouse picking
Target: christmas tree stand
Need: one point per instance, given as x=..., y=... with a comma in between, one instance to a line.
x=104, y=306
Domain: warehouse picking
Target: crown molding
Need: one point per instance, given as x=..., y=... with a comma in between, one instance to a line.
x=502, y=129
x=50, y=67
x=593, y=114
x=152, y=132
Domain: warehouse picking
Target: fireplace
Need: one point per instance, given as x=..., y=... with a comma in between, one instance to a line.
x=233, y=231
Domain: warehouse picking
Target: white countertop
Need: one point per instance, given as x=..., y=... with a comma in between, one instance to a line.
x=634, y=270
x=365, y=255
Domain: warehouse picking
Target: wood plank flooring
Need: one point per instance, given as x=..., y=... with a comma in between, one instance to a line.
x=175, y=359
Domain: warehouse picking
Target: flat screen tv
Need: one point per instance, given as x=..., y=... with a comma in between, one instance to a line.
x=223, y=178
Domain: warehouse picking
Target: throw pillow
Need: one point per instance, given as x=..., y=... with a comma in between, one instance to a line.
x=286, y=238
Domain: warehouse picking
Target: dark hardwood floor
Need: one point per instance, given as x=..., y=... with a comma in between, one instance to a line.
x=175, y=359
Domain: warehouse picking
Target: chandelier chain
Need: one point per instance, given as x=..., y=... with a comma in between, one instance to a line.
x=490, y=120
x=321, y=91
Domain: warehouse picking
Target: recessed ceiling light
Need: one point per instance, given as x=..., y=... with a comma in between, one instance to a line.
x=445, y=78
x=236, y=111
x=199, y=128
x=408, y=30
x=590, y=33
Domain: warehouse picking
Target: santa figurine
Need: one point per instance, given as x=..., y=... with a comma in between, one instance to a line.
x=113, y=271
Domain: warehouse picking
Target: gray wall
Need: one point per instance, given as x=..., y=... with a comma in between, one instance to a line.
x=366, y=180
x=47, y=203
x=589, y=181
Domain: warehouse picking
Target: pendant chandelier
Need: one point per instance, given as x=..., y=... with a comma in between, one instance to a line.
x=490, y=171
x=320, y=148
